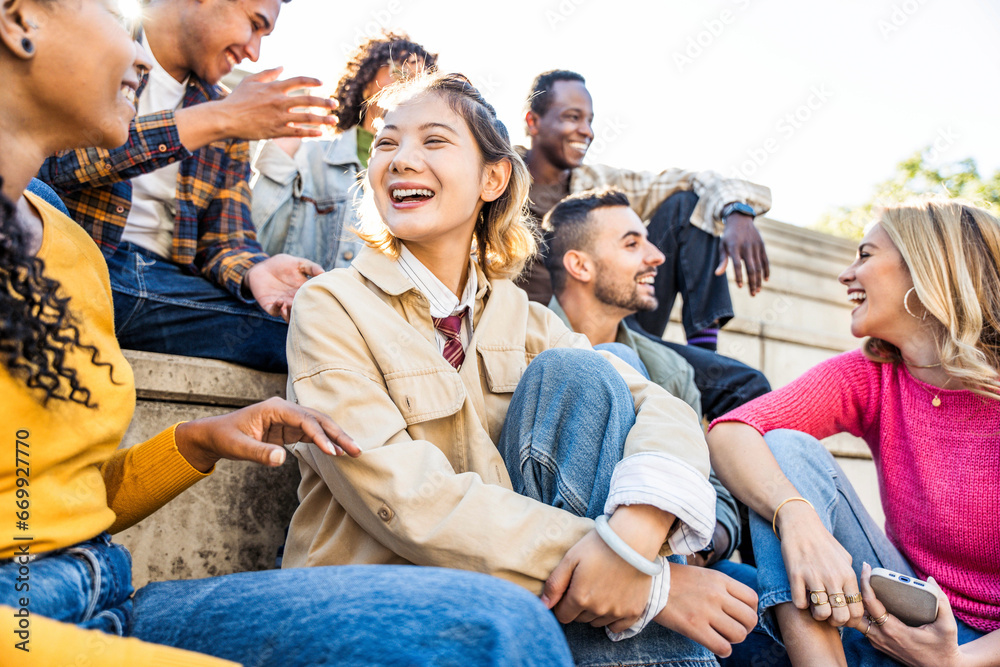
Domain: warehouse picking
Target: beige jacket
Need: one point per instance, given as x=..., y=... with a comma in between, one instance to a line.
x=431, y=487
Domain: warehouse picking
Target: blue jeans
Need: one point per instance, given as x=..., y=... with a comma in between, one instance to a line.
x=563, y=434
x=817, y=477
x=359, y=615
x=160, y=307
x=758, y=649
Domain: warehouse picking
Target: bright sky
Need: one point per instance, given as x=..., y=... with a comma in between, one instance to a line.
x=818, y=101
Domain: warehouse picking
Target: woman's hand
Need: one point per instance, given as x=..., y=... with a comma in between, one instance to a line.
x=815, y=561
x=257, y=433
x=592, y=584
x=931, y=645
x=709, y=607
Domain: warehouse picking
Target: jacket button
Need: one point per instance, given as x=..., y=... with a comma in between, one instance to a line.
x=385, y=514
x=162, y=148
x=119, y=209
x=348, y=255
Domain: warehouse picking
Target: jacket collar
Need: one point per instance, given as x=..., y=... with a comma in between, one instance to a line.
x=343, y=149
x=386, y=275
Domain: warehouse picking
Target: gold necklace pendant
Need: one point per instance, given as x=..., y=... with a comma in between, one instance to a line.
x=936, y=402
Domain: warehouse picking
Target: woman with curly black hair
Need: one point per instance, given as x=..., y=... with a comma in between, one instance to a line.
x=36, y=326
x=304, y=199
x=374, y=65
x=67, y=394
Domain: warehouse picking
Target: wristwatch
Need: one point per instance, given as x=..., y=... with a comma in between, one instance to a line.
x=737, y=207
x=708, y=551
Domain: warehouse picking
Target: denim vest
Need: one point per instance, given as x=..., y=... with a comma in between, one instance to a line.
x=305, y=206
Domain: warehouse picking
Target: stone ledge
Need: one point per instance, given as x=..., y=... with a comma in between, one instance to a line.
x=170, y=378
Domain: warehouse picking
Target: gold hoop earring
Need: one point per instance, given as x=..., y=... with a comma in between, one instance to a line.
x=906, y=297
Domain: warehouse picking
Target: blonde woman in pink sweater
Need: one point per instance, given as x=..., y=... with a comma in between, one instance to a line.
x=924, y=393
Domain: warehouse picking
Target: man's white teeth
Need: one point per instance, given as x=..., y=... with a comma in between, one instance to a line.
x=857, y=297
x=645, y=280
x=129, y=94
x=232, y=59
x=579, y=145
x=402, y=194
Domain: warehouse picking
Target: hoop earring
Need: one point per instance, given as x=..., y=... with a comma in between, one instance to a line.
x=906, y=297
x=27, y=45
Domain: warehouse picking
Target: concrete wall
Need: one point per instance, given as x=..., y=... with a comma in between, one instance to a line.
x=235, y=520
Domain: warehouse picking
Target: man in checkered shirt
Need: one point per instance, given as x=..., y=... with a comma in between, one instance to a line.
x=698, y=219
x=170, y=209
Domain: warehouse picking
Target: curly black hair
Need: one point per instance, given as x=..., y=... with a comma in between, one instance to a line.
x=36, y=326
x=364, y=64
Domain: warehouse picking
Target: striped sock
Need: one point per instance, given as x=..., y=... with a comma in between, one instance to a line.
x=706, y=338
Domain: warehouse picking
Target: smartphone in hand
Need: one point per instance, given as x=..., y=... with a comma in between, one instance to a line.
x=910, y=600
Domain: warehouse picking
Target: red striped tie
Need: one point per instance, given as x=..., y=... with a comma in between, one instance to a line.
x=450, y=327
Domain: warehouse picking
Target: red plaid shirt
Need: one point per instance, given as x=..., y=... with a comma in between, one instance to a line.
x=213, y=233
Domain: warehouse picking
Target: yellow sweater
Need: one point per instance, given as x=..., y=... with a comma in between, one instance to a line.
x=61, y=472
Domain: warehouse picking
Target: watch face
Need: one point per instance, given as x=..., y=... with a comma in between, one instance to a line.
x=738, y=207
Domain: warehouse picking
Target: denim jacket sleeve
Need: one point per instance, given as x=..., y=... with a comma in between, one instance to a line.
x=305, y=205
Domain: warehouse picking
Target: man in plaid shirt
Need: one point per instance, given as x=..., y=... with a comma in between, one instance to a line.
x=170, y=209
x=698, y=219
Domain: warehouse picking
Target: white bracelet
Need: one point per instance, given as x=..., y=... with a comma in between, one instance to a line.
x=627, y=553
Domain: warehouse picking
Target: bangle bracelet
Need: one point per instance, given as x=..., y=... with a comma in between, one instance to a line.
x=627, y=553
x=774, y=520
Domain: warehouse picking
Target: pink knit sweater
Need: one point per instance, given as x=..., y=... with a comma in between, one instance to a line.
x=938, y=468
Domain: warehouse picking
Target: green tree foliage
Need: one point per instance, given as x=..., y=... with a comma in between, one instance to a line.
x=915, y=176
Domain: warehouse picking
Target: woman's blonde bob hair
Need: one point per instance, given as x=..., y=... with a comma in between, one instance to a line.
x=505, y=236
x=952, y=250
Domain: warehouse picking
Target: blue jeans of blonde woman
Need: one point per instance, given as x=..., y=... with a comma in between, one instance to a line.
x=818, y=478
x=563, y=435
x=346, y=616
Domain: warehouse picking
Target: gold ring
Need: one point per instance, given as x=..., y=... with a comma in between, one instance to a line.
x=815, y=599
x=882, y=619
x=838, y=600
x=869, y=628
x=851, y=599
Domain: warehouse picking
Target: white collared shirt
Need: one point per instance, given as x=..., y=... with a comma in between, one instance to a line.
x=443, y=302
x=151, y=219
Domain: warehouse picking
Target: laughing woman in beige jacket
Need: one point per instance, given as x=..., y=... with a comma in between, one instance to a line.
x=493, y=437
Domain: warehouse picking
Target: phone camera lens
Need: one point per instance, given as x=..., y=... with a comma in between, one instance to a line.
x=904, y=579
